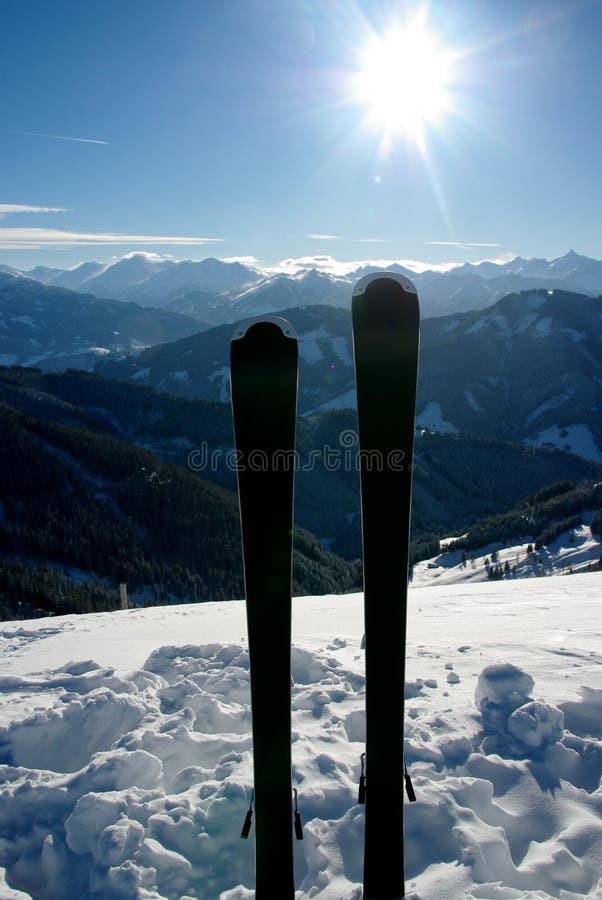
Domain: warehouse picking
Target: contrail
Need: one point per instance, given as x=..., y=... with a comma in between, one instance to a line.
x=56, y=137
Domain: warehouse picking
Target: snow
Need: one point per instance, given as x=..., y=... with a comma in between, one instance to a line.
x=576, y=438
x=141, y=375
x=309, y=348
x=431, y=417
x=346, y=400
x=570, y=551
x=544, y=327
x=470, y=399
x=127, y=758
x=552, y=403
x=486, y=321
x=340, y=345
x=222, y=377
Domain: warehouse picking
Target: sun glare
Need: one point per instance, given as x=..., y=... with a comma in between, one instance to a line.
x=403, y=80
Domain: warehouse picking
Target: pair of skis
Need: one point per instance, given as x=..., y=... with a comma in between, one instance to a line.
x=264, y=358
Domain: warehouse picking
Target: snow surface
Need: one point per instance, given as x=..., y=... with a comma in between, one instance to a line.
x=127, y=759
x=572, y=551
x=576, y=438
x=431, y=417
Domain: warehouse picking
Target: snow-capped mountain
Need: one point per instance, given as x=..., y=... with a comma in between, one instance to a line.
x=198, y=366
x=116, y=280
x=46, y=326
x=216, y=292
x=209, y=276
x=78, y=278
x=527, y=368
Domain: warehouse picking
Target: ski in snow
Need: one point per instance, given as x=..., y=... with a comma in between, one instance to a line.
x=263, y=361
x=385, y=338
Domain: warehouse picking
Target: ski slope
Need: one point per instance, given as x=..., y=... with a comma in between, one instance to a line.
x=126, y=751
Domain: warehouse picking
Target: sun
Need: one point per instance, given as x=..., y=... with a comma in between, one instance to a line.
x=403, y=80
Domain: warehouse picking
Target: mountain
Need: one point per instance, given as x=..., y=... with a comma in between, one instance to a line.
x=41, y=273
x=116, y=280
x=209, y=276
x=198, y=366
x=75, y=279
x=56, y=328
x=217, y=292
x=527, y=368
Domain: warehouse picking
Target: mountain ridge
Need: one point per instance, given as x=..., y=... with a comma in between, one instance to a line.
x=230, y=287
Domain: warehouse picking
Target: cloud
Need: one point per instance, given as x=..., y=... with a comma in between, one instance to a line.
x=324, y=237
x=40, y=238
x=56, y=137
x=251, y=261
x=368, y=240
x=6, y=209
x=336, y=267
x=463, y=244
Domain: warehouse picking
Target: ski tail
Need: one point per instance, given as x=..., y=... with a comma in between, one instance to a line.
x=264, y=358
x=385, y=316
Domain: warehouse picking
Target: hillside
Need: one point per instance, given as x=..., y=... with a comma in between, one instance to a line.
x=104, y=511
x=557, y=530
x=57, y=328
x=458, y=479
x=527, y=369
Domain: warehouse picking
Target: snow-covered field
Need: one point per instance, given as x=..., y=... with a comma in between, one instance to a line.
x=571, y=552
x=126, y=748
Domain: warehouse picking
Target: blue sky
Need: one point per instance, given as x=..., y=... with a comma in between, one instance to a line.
x=232, y=121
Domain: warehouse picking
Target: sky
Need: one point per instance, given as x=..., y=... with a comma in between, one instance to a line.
x=255, y=128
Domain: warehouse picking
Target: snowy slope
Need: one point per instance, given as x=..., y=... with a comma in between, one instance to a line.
x=573, y=551
x=128, y=776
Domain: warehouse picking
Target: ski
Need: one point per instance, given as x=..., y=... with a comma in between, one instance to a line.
x=263, y=359
x=385, y=339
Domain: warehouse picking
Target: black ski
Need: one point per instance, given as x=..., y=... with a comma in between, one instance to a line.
x=264, y=404
x=385, y=336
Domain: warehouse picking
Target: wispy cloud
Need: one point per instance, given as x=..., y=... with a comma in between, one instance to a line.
x=55, y=137
x=39, y=238
x=7, y=209
x=341, y=237
x=461, y=244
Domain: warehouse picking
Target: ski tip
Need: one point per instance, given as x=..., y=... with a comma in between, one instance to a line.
x=283, y=324
x=364, y=283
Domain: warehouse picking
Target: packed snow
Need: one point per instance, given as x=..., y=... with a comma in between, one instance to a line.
x=127, y=755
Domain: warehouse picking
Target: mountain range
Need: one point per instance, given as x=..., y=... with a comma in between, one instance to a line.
x=215, y=292
x=526, y=369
